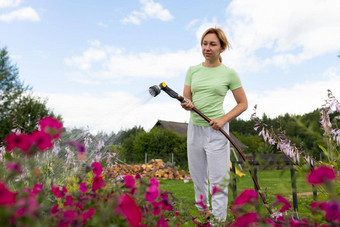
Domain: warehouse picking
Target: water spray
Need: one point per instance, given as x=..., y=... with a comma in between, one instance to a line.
x=156, y=90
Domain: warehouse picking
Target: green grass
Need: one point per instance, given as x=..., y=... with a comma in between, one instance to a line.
x=272, y=181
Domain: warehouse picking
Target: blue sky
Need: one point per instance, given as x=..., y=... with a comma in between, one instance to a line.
x=95, y=60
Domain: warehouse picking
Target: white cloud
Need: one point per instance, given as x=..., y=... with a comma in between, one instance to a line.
x=9, y=3
x=293, y=31
x=101, y=24
x=116, y=64
x=26, y=13
x=191, y=24
x=300, y=99
x=149, y=9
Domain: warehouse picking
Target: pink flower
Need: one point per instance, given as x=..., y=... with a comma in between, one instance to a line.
x=88, y=214
x=246, y=197
x=129, y=181
x=51, y=126
x=42, y=140
x=55, y=210
x=246, y=219
x=151, y=193
x=83, y=188
x=79, y=146
x=162, y=222
x=69, y=200
x=321, y=175
x=97, y=168
x=165, y=202
x=68, y=217
x=332, y=209
x=216, y=190
x=128, y=207
x=20, y=141
x=38, y=188
x=57, y=192
x=97, y=183
x=201, y=203
x=156, y=208
x=297, y=223
x=6, y=196
x=282, y=200
x=14, y=166
x=154, y=181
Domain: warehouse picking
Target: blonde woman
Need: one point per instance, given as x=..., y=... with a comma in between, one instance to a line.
x=206, y=86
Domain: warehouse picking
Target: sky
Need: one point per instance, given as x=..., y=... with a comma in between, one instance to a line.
x=93, y=61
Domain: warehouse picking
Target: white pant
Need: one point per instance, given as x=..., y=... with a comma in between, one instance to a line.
x=209, y=158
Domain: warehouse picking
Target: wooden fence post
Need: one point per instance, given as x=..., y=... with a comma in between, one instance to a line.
x=293, y=181
x=255, y=175
x=233, y=182
x=315, y=193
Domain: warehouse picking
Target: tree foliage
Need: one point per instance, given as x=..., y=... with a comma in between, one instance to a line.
x=158, y=143
x=19, y=109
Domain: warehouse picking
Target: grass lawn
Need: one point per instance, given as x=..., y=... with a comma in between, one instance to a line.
x=273, y=181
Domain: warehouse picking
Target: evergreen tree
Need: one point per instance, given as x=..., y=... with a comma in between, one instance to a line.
x=18, y=108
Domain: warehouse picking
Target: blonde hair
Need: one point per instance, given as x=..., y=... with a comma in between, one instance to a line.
x=220, y=35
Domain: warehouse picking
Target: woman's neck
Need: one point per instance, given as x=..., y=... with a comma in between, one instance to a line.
x=210, y=64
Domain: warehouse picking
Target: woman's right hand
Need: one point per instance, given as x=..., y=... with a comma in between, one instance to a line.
x=187, y=105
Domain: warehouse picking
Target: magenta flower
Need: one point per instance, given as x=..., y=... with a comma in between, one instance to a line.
x=156, y=208
x=246, y=219
x=282, y=200
x=246, y=197
x=88, y=214
x=332, y=209
x=129, y=181
x=79, y=146
x=321, y=175
x=162, y=222
x=154, y=181
x=83, y=187
x=201, y=203
x=20, y=141
x=14, y=166
x=151, y=193
x=51, y=126
x=216, y=190
x=68, y=217
x=57, y=192
x=55, y=210
x=165, y=202
x=69, y=200
x=42, y=140
x=38, y=188
x=97, y=183
x=97, y=168
x=6, y=196
x=128, y=207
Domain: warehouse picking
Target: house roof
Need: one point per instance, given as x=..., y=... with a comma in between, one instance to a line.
x=181, y=129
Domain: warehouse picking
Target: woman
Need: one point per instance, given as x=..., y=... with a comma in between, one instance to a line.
x=206, y=86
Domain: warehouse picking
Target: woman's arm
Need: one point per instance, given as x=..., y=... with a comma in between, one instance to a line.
x=187, y=95
x=242, y=104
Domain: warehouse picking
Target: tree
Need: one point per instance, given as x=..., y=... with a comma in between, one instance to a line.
x=18, y=108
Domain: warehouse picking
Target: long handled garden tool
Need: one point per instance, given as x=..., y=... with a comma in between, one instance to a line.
x=156, y=89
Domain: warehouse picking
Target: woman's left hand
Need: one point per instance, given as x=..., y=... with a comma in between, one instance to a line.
x=217, y=124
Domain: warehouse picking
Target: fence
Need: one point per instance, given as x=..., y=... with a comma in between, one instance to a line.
x=255, y=165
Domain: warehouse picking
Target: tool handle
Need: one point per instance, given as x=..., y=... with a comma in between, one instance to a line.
x=172, y=93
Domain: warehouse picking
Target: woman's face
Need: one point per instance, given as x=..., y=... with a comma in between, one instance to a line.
x=211, y=47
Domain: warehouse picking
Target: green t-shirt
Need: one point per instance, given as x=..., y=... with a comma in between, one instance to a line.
x=209, y=87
